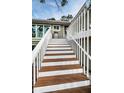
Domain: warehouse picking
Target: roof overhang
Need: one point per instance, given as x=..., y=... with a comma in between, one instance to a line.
x=50, y=22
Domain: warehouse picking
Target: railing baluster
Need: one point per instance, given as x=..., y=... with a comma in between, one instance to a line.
x=78, y=38
x=38, y=53
x=87, y=57
x=84, y=40
x=39, y=60
x=36, y=67
x=79, y=32
x=88, y=27
x=34, y=77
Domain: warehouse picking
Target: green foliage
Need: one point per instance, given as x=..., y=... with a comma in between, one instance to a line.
x=63, y=2
x=42, y=1
x=51, y=19
x=66, y=18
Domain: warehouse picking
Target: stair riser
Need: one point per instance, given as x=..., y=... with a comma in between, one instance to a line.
x=58, y=45
x=61, y=48
x=60, y=72
x=59, y=63
x=55, y=52
x=60, y=56
x=61, y=86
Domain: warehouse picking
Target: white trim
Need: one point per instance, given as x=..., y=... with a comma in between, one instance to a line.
x=60, y=72
x=59, y=56
x=56, y=52
x=81, y=47
x=40, y=47
x=59, y=45
x=59, y=48
x=81, y=34
x=61, y=86
x=59, y=63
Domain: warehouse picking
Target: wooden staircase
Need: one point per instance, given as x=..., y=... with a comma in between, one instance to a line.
x=61, y=71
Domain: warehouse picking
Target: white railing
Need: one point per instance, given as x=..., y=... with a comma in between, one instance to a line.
x=79, y=36
x=38, y=53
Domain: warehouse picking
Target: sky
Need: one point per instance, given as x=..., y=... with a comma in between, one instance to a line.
x=49, y=9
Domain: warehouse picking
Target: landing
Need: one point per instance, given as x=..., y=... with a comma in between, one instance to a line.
x=58, y=41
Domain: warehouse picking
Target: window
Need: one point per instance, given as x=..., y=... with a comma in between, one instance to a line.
x=40, y=30
x=56, y=27
x=33, y=30
x=46, y=27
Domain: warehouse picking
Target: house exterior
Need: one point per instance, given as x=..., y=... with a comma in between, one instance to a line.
x=64, y=60
x=40, y=27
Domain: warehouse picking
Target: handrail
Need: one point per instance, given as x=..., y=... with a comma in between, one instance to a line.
x=79, y=34
x=38, y=46
x=38, y=53
x=80, y=47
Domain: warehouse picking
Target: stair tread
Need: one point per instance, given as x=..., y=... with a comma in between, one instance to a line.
x=62, y=67
x=59, y=79
x=85, y=89
x=60, y=59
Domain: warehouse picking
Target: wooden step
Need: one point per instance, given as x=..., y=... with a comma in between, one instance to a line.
x=59, y=79
x=85, y=89
x=58, y=60
x=63, y=67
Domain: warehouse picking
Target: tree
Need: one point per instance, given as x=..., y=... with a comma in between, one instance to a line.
x=69, y=16
x=62, y=2
x=51, y=19
x=66, y=18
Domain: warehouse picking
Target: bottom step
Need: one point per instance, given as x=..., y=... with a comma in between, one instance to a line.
x=86, y=89
x=60, y=82
x=61, y=86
